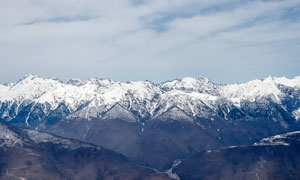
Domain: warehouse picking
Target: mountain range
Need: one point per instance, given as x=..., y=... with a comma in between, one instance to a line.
x=152, y=124
x=34, y=101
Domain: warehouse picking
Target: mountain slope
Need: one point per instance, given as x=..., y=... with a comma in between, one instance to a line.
x=276, y=157
x=159, y=142
x=28, y=154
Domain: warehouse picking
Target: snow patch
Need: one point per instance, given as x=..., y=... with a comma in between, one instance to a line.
x=279, y=139
x=9, y=138
x=170, y=172
x=296, y=114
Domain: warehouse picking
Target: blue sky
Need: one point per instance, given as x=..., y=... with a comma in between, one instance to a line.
x=157, y=40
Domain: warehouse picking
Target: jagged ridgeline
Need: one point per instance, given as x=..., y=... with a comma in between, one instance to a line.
x=154, y=124
x=34, y=101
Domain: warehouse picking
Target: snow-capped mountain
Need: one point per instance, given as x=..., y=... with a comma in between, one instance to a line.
x=34, y=100
x=154, y=124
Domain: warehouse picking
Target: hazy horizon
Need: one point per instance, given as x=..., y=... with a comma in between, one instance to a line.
x=166, y=80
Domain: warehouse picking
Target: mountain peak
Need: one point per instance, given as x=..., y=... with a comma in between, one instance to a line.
x=189, y=79
x=194, y=80
x=37, y=79
x=76, y=82
x=29, y=77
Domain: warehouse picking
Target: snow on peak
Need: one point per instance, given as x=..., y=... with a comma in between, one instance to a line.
x=193, y=83
x=30, y=76
x=189, y=84
x=99, y=82
x=295, y=82
x=282, y=81
x=30, y=87
x=252, y=90
x=93, y=97
x=259, y=88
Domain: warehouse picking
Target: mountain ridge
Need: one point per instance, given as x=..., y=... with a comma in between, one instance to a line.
x=93, y=97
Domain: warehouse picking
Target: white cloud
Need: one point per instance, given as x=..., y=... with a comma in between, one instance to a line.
x=156, y=40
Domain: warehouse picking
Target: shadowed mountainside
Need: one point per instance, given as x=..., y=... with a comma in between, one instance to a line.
x=28, y=154
x=276, y=157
